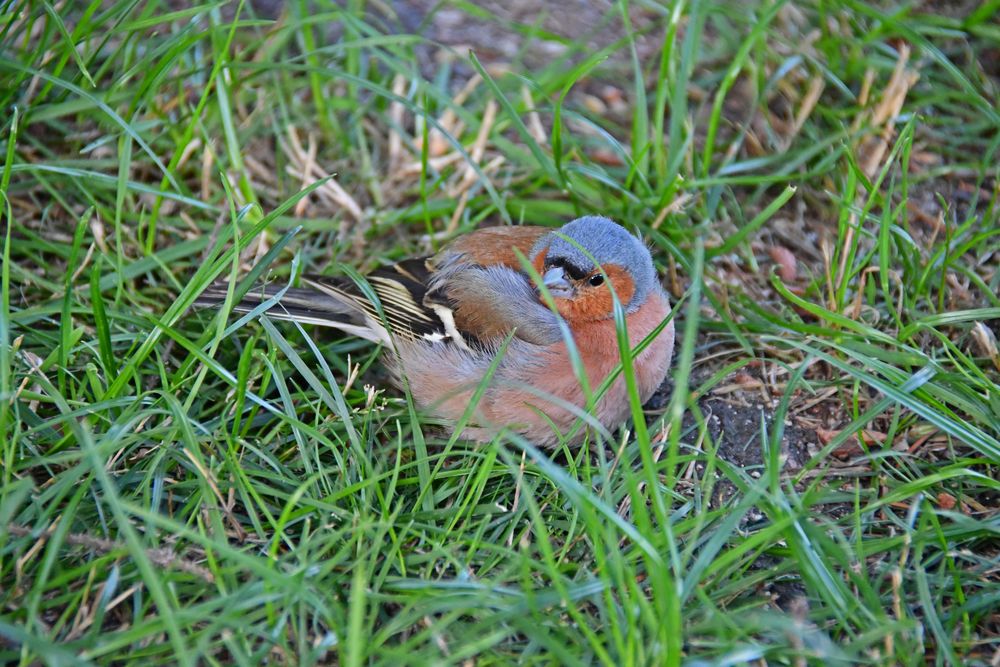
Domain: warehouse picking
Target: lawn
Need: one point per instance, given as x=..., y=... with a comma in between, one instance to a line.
x=816, y=483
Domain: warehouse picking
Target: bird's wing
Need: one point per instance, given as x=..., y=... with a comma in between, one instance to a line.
x=479, y=289
x=417, y=295
x=400, y=289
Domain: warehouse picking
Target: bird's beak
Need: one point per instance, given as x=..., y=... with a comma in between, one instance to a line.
x=555, y=282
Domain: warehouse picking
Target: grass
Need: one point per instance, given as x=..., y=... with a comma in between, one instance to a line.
x=818, y=182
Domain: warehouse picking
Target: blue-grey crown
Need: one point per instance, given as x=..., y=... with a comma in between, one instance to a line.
x=608, y=243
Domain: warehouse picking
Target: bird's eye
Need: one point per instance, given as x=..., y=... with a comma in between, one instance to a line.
x=596, y=279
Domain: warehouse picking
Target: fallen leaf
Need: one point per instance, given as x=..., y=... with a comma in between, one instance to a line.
x=785, y=260
x=946, y=500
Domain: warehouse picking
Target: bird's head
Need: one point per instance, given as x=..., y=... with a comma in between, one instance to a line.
x=565, y=261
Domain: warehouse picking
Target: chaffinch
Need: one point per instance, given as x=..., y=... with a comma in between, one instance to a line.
x=449, y=316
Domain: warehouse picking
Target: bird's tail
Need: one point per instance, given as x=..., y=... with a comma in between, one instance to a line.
x=307, y=305
x=400, y=290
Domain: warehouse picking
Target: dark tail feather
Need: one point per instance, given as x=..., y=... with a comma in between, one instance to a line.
x=297, y=304
x=337, y=302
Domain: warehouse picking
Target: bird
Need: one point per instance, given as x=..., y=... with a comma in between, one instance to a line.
x=448, y=317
